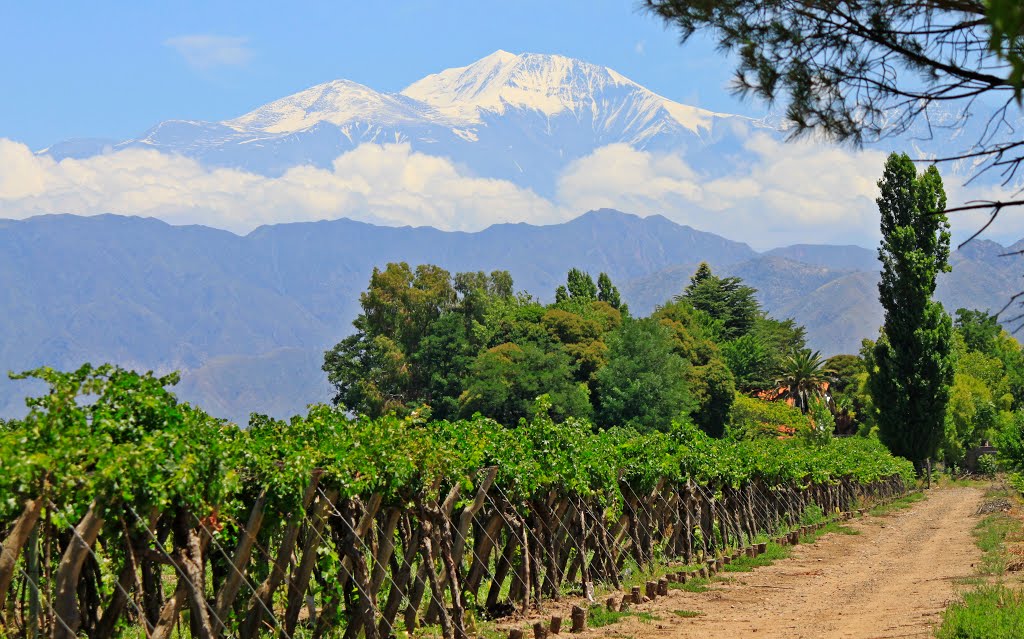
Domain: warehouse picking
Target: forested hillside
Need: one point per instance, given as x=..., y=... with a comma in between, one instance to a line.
x=247, y=318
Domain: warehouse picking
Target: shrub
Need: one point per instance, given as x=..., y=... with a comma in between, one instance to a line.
x=751, y=418
x=987, y=465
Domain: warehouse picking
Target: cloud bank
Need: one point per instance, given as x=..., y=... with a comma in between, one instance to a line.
x=783, y=193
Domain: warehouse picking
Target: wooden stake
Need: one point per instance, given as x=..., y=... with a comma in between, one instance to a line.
x=539, y=631
x=627, y=601
x=556, y=624
x=579, y=619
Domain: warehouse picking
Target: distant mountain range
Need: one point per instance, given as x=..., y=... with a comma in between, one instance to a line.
x=518, y=117
x=247, y=318
x=521, y=118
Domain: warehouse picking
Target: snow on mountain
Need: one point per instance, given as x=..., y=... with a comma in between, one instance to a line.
x=521, y=118
x=339, y=102
x=551, y=85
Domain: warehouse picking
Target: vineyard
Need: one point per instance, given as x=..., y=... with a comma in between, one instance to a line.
x=126, y=513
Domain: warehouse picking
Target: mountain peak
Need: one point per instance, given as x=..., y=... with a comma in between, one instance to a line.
x=338, y=102
x=550, y=84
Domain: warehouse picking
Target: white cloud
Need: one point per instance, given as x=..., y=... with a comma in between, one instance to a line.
x=780, y=193
x=784, y=193
x=640, y=48
x=208, y=51
x=384, y=184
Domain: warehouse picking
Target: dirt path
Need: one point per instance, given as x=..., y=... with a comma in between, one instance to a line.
x=892, y=580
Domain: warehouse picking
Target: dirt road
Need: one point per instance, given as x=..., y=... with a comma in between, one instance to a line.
x=892, y=580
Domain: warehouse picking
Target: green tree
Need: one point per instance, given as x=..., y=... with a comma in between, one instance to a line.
x=445, y=355
x=782, y=337
x=401, y=303
x=751, y=361
x=394, y=360
x=581, y=335
x=845, y=369
x=580, y=285
x=477, y=290
x=851, y=403
x=561, y=294
x=978, y=329
x=644, y=385
x=607, y=292
x=714, y=389
x=970, y=418
x=711, y=380
x=725, y=299
x=912, y=368
x=803, y=377
x=1009, y=440
x=505, y=382
x=1009, y=351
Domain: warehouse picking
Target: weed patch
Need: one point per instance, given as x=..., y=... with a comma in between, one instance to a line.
x=990, y=535
x=898, y=504
x=598, y=616
x=773, y=553
x=991, y=612
x=698, y=584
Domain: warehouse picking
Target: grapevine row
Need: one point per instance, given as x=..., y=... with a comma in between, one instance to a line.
x=331, y=524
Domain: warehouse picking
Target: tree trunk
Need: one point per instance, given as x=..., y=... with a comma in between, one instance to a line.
x=65, y=605
x=300, y=577
x=239, y=561
x=263, y=599
x=411, y=542
x=22, y=530
x=118, y=600
x=435, y=587
x=127, y=580
x=485, y=542
x=192, y=570
x=385, y=549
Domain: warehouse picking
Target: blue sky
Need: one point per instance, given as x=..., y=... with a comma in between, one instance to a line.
x=113, y=69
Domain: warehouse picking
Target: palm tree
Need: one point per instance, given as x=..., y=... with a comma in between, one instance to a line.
x=802, y=376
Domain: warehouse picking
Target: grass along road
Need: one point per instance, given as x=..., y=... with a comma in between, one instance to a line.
x=892, y=578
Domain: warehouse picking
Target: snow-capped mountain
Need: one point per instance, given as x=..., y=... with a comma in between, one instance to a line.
x=521, y=118
x=515, y=117
x=552, y=86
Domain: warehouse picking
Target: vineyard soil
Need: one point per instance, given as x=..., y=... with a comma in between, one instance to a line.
x=893, y=579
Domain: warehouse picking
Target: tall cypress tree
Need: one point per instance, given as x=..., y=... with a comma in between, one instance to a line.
x=608, y=292
x=912, y=367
